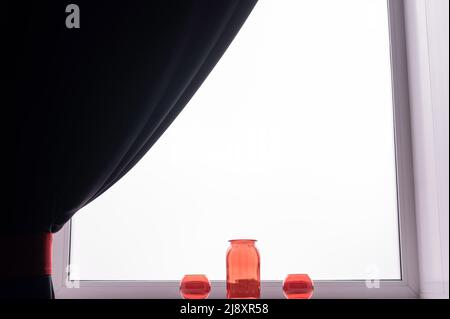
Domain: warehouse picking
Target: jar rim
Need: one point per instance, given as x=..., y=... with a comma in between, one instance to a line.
x=242, y=240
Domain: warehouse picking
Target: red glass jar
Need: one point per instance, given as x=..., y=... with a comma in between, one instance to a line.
x=195, y=287
x=243, y=264
x=298, y=286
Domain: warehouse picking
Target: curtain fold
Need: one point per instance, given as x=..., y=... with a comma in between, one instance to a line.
x=90, y=102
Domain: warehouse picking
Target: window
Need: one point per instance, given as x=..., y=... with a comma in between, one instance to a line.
x=290, y=140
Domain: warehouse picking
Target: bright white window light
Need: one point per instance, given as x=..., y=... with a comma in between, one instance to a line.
x=289, y=140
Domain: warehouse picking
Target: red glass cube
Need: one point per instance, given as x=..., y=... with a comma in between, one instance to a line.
x=195, y=287
x=298, y=286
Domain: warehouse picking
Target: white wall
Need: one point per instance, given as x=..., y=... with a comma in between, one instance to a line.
x=427, y=27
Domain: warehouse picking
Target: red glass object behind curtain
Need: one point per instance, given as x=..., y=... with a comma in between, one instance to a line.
x=243, y=270
x=298, y=286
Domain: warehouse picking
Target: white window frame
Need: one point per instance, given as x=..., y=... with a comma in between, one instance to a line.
x=406, y=287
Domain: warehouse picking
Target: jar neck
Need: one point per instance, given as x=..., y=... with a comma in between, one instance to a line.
x=239, y=242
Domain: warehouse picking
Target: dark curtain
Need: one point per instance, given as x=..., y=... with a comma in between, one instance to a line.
x=88, y=103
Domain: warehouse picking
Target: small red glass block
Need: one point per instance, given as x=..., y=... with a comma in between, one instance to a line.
x=195, y=287
x=298, y=286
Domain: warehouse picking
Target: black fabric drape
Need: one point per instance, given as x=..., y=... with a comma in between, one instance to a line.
x=90, y=102
x=36, y=287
